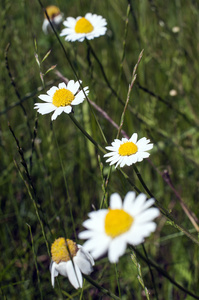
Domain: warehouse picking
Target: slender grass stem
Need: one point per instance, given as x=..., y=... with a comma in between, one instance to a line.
x=35, y=260
x=66, y=185
x=164, y=273
x=151, y=272
x=101, y=289
x=86, y=134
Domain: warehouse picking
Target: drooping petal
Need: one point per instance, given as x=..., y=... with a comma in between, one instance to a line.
x=74, y=274
x=54, y=273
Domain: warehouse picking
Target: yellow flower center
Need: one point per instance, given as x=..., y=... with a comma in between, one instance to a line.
x=59, y=250
x=63, y=97
x=83, y=26
x=117, y=222
x=52, y=11
x=127, y=149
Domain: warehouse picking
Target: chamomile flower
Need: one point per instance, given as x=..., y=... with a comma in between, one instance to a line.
x=61, y=99
x=55, y=17
x=128, y=152
x=88, y=27
x=70, y=260
x=110, y=230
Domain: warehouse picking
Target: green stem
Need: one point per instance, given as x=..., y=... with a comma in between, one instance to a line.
x=103, y=290
x=86, y=134
x=36, y=209
x=164, y=273
x=65, y=183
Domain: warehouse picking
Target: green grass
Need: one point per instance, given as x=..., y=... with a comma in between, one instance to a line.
x=63, y=180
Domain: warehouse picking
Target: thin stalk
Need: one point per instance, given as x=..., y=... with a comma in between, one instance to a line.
x=129, y=92
x=66, y=185
x=124, y=48
x=35, y=260
x=164, y=273
x=101, y=289
x=86, y=134
x=140, y=277
x=36, y=208
x=151, y=272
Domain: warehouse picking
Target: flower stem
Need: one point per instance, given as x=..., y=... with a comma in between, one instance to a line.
x=86, y=134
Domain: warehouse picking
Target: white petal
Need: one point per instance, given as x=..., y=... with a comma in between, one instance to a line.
x=138, y=204
x=54, y=273
x=74, y=274
x=45, y=26
x=116, y=249
x=110, y=148
x=57, y=112
x=73, y=86
x=79, y=98
x=83, y=263
x=115, y=201
x=86, y=254
x=110, y=154
x=45, y=98
x=52, y=90
x=148, y=215
x=148, y=203
x=44, y=108
x=87, y=234
x=62, y=85
x=68, y=109
x=135, y=235
x=134, y=138
x=98, y=245
x=70, y=22
x=128, y=200
x=61, y=268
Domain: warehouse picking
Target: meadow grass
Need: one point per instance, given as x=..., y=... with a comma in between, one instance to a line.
x=52, y=175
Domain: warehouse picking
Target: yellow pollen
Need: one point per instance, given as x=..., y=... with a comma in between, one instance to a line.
x=83, y=26
x=117, y=222
x=62, y=97
x=127, y=149
x=52, y=11
x=59, y=250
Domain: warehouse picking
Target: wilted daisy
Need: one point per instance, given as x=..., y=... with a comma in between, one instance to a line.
x=55, y=17
x=60, y=99
x=128, y=152
x=89, y=27
x=70, y=265
x=110, y=230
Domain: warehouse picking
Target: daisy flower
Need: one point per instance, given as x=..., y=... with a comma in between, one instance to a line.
x=55, y=17
x=88, y=27
x=60, y=99
x=110, y=230
x=62, y=250
x=128, y=152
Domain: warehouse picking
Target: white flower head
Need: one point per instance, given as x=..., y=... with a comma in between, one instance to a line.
x=70, y=265
x=55, y=17
x=88, y=27
x=110, y=230
x=60, y=99
x=128, y=152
